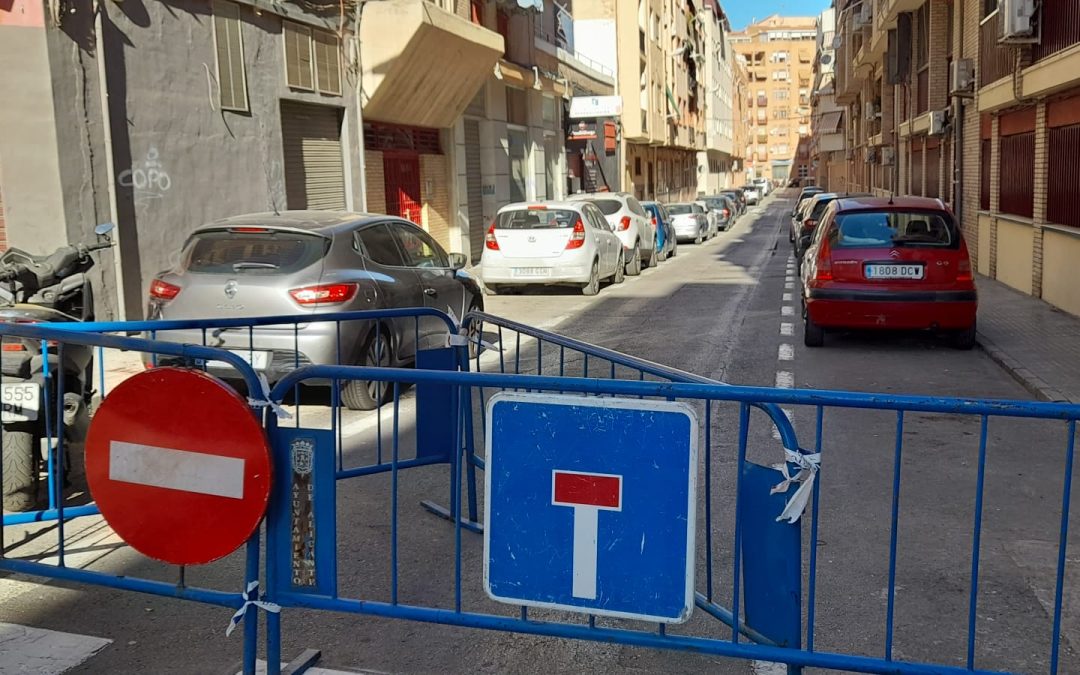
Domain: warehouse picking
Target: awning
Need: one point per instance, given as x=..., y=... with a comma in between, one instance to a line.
x=830, y=122
x=415, y=48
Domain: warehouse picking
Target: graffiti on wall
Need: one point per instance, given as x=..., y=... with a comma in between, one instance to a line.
x=148, y=179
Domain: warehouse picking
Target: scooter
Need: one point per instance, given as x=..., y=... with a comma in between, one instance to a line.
x=52, y=288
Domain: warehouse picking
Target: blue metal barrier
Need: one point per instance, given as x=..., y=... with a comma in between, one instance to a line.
x=770, y=638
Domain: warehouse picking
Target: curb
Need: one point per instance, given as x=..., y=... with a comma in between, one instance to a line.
x=1029, y=380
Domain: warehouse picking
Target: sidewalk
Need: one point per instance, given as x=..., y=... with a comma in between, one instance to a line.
x=1033, y=340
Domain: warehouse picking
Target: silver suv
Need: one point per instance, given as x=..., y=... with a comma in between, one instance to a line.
x=631, y=224
x=312, y=262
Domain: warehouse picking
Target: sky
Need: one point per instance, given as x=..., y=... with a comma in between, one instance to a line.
x=742, y=12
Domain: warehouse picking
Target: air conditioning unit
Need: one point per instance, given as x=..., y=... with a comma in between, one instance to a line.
x=864, y=18
x=871, y=155
x=888, y=156
x=962, y=77
x=938, y=120
x=872, y=112
x=1018, y=24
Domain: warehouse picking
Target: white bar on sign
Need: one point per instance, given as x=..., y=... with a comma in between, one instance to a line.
x=172, y=469
x=585, y=531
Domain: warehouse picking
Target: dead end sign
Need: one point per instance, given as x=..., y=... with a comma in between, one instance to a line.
x=178, y=466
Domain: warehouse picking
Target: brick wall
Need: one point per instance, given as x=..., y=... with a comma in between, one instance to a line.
x=376, y=182
x=939, y=50
x=966, y=43
x=1041, y=187
x=435, y=195
x=995, y=182
x=463, y=8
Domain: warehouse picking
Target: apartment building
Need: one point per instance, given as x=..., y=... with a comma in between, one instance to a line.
x=657, y=50
x=719, y=162
x=828, y=147
x=778, y=53
x=981, y=108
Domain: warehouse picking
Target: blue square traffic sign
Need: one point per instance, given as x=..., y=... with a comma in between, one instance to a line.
x=591, y=505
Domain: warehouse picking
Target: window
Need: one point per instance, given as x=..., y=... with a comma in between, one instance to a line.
x=989, y=7
x=637, y=166
x=378, y=243
x=1062, y=193
x=419, y=248
x=550, y=115
x=258, y=253
x=517, y=141
x=894, y=229
x=517, y=103
x=312, y=59
x=298, y=71
x=1017, y=165
x=232, y=84
x=984, y=174
x=781, y=95
x=327, y=63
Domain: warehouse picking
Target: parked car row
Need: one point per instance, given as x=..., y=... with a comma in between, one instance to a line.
x=594, y=238
x=898, y=263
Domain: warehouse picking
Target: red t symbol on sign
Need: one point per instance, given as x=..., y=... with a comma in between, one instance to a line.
x=587, y=494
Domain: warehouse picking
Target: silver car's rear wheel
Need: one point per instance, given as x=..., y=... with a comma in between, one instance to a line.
x=368, y=395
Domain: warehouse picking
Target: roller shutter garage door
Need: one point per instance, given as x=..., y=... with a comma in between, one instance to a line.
x=314, y=169
x=475, y=199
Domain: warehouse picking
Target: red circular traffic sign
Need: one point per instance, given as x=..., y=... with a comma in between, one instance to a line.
x=178, y=465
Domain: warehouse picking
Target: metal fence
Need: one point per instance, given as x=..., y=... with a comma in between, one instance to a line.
x=852, y=578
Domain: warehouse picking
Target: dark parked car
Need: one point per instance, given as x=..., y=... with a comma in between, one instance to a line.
x=739, y=197
x=315, y=262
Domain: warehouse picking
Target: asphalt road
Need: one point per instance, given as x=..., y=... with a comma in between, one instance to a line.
x=716, y=310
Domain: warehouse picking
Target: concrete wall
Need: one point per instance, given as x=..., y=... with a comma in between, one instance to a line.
x=179, y=160
x=1014, y=245
x=376, y=182
x=435, y=192
x=1060, y=252
x=218, y=163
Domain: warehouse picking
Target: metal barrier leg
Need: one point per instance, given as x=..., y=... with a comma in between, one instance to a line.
x=251, y=616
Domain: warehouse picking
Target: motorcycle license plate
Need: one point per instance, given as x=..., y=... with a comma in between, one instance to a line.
x=19, y=402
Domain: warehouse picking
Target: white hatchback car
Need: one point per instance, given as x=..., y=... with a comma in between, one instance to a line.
x=633, y=226
x=545, y=243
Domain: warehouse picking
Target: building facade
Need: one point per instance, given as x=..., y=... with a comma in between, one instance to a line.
x=166, y=118
x=719, y=162
x=778, y=53
x=980, y=108
x=828, y=147
x=657, y=50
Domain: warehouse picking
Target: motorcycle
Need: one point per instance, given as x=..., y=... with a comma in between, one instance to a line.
x=52, y=288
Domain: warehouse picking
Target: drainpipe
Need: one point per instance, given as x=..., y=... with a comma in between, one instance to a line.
x=359, y=108
x=110, y=170
x=958, y=134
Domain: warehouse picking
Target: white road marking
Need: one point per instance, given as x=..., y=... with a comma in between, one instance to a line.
x=177, y=469
x=787, y=297
x=787, y=328
x=24, y=649
x=786, y=353
x=785, y=380
x=787, y=310
x=789, y=283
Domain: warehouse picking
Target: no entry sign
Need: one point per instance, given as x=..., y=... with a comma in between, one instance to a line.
x=178, y=465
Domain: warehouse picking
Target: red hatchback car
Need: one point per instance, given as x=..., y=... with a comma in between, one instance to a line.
x=890, y=264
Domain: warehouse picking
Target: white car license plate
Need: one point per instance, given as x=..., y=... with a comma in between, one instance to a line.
x=894, y=271
x=19, y=402
x=531, y=272
x=257, y=360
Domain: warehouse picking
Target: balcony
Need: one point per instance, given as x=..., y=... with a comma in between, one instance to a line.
x=1060, y=28
x=887, y=10
x=411, y=46
x=995, y=62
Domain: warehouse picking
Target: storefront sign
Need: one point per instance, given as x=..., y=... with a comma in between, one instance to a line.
x=595, y=106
